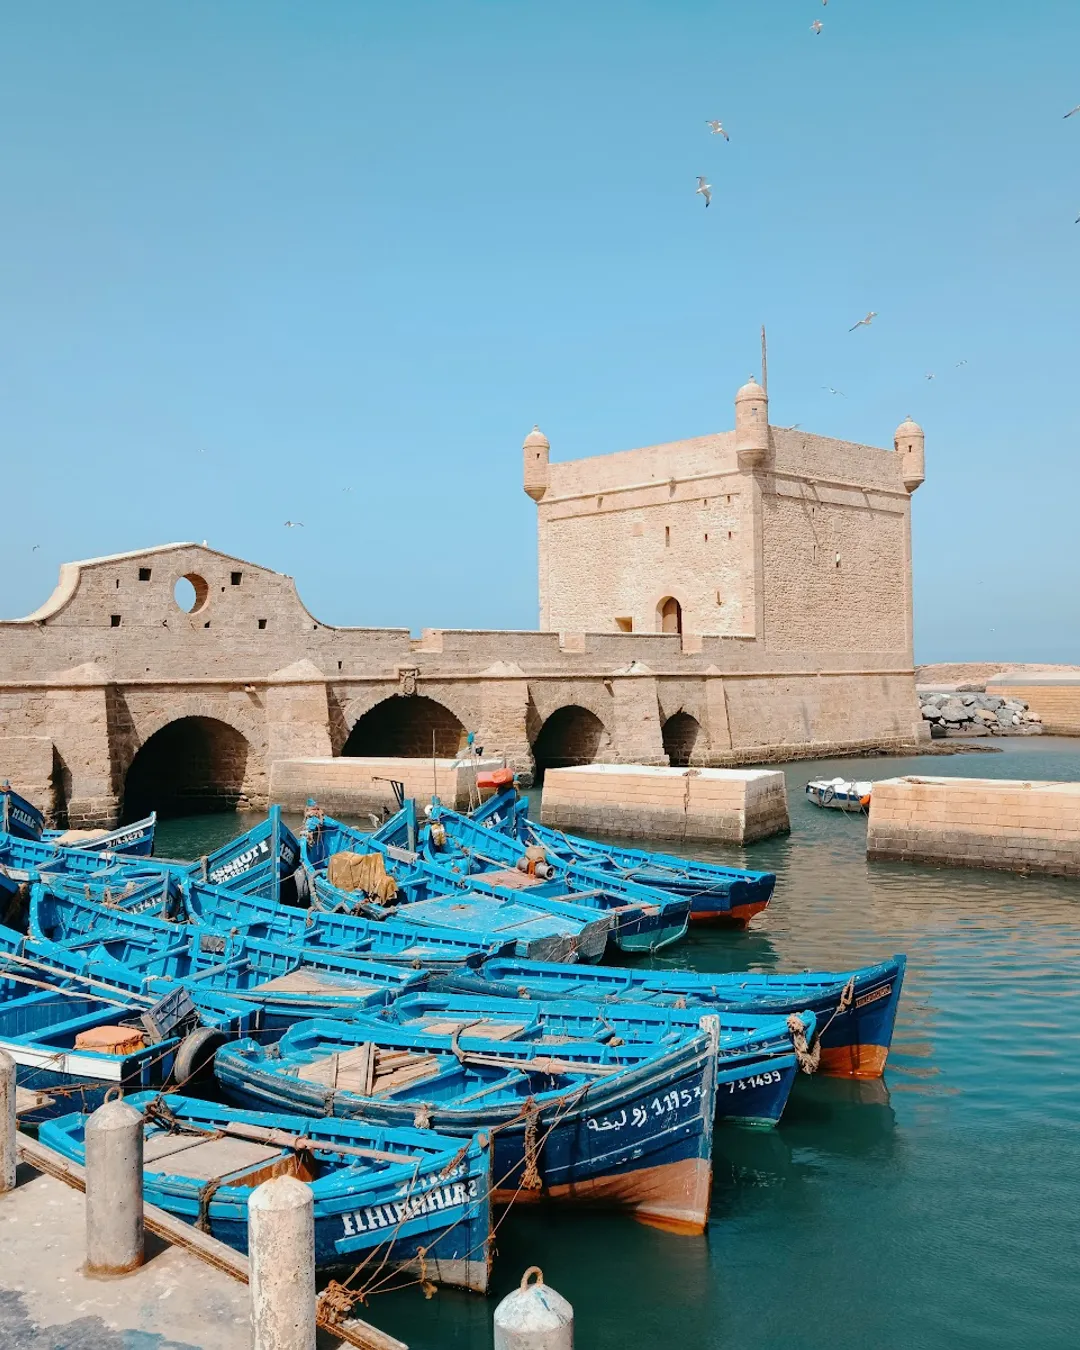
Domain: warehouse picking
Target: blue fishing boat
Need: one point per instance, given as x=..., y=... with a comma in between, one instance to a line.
x=400, y=1198
x=770, y=1049
x=134, y=840
x=490, y=899
x=18, y=816
x=645, y=919
x=629, y=1126
x=60, y=911
x=855, y=1009
x=72, y=1037
x=264, y=861
x=287, y=984
x=390, y=939
x=717, y=894
x=553, y=933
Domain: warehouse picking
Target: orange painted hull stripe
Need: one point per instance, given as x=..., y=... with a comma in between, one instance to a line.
x=672, y=1196
x=854, y=1061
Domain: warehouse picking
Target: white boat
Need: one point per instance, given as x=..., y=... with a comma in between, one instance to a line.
x=842, y=794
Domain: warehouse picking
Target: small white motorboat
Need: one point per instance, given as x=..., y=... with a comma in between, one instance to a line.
x=842, y=794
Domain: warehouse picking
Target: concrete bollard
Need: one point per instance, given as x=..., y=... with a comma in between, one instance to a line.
x=114, y=1189
x=8, y=1124
x=281, y=1250
x=534, y=1317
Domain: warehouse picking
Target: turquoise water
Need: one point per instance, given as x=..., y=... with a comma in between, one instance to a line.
x=939, y=1208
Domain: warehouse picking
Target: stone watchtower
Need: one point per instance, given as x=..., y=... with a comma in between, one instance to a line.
x=535, y=450
x=910, y=444
x=751, y=425
x=799, y=542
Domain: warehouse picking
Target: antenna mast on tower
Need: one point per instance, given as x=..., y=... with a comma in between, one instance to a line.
x=764, y=361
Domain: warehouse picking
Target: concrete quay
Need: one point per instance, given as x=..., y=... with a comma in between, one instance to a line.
x=188, y=1291
x=1007, y=825
x=731, y=806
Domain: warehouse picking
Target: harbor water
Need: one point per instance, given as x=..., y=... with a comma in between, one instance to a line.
x=936, y=1208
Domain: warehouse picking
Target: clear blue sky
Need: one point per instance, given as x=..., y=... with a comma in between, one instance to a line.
x=254, y=253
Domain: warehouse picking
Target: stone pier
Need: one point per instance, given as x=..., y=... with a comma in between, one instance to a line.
x=1005, y=824
x=731, y=806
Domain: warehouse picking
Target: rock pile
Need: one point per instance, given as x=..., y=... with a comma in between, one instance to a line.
x=964, y=714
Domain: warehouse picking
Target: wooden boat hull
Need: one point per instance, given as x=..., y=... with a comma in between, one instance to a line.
x=19, y=817
x=440, y=1207
x=641, y=1140
x=133, y=841
x=717, y=894
x=39, y=1030
x=763, y=1047
x=855, y=1010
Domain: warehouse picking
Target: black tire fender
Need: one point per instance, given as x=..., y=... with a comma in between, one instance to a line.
x=195, y=1054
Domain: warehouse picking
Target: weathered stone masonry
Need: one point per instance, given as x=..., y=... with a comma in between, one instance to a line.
x=110, y=689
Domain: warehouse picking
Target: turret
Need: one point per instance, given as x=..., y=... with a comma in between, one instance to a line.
x=751, y=425
x=910, y=445
x=535, y=450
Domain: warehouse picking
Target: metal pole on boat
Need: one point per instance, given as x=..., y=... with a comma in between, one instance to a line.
x=281, y=1250
x=534, y=1317
x=114, y=1189
x=8, y=1126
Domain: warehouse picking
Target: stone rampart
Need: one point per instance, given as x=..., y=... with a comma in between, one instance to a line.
x=110, y=693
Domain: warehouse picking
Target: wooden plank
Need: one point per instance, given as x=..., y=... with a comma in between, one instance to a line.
x=264, y=1134
x=353, y=1330
x=27, y=1101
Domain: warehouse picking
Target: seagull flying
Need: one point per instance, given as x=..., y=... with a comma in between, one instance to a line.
x=930, y=375
x=1073, y=111
x=960, y=363
x=816, y=27
x=35, y=548
x=717, y=129
x=704, y=188
x=864, y=323
x=830, y=390
x=292, y=524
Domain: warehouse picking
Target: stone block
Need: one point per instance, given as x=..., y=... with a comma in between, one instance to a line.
x=644, y=801
x=357, y=785
x=1008, y=825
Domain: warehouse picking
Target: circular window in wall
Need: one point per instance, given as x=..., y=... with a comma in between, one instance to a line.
x=191, y=593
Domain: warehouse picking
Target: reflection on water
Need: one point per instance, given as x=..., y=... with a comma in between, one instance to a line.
x=934, y=1209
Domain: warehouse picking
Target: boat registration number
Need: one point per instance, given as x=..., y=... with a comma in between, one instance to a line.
x=754, y=1081
x=639, y=1116
x=873, y=996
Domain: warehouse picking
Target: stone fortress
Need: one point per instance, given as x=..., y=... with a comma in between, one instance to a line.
x=736, y=598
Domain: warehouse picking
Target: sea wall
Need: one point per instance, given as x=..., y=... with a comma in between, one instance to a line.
x=734, y=806
x=1004, y=824
x=357, y=786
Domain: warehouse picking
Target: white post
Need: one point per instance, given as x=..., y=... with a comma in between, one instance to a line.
x=534, y=1317
x=281, y=1250
x=114, y=1189
x=8, y=1157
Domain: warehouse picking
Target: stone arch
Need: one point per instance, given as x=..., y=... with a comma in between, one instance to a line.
x=408, y=727
x=190, y=765
x=669, y=615
x=570, y=735
x=680, y=732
